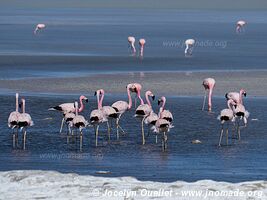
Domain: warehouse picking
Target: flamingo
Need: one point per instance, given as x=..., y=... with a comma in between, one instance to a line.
x=24, y=121
x=108, y=111
x=142, y=42
x=97, y=117
x=131, y=41
x=208, y=84
x=123, y=106
x=226, y=115
x=237, y=97
x=39, y=27
x=143, y=111
x=78, y=122
x=136, y=88
x=189, y=43
x=163, y=124
x=240, y=26
x=13, y=119
x=69, y=108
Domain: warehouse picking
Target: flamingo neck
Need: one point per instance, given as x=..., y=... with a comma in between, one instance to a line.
x=241, y=97
x=81, y=106
x=162, y=108
x=23, y=106
x=17, y=102
x=133, y=47
x=101, y=101
x=209, y=101
x=147, y=100
x=76, y=108
x=186, y=49
x=130, y=99
x=229, y=105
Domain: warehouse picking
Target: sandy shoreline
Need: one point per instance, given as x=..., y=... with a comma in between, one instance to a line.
x=55, y=185
x=163, y=83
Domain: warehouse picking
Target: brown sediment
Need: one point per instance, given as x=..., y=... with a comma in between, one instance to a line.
x=161, y=83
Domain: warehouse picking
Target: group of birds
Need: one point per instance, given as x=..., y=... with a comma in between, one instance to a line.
x=235, y=113
x=189, y=43
x=159, y=123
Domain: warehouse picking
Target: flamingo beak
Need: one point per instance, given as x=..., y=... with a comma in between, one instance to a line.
x=245, y=94
x=153, y=97
x=86, y=100
x=20, y=105
x=95, y=93
x=159, y=101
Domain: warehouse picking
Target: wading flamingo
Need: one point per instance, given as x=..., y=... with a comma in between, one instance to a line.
x=13, y=119
x=142, y=45
x=78, y=122
x=123, y=106
x=69, y=108
x=236, y=96
x=108, y=111
x=226, y=116
x=208, y=84
x=240, y=26
x=39, y=27
x=143, y=111
x=136, y=88
x=24, y=121
x=131, y=41
x=163, y=124
x=189, y=45
x=97, y=117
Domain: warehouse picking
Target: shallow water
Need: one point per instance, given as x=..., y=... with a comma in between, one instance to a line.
x=46, y=149
x=78, y=42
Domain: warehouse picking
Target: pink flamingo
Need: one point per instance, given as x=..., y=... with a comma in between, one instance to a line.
x=240, y=26
x=97, y=117
x=143, y=111
x=163, y=124
x=13, y=119
x=78, y=122
x=39, y=27
x=108, y=111
x=209, y=84
x=24, y=121
x=136, y=88
x=237, y=97
x=69, y=108
x=123, y=106
x=131, y=41
x=226, y=115
x=142, y=45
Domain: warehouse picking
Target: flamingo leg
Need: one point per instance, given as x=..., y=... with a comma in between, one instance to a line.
x=17, y=135
x=62, y=124
x=156, y=139
x=117, y=126
x=204, y=100
x=227, y=135
x=164, y=141
x=24, y=139
x=108, y=131
x=143, y=133
x=238, y=131
x=221, y=135
x=81, y=140
x=14, y=139
x=96, y=135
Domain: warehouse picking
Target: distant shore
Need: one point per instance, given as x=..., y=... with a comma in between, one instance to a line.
x=162, y=83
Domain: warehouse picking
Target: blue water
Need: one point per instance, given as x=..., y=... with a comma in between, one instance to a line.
x=95, y=41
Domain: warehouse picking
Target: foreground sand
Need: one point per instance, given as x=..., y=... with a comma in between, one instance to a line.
x=166, y=83
x=55, y=185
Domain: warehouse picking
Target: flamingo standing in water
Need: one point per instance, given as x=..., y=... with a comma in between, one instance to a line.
x=240, y=26
x=143, y=111
x=108, y=111
x=131, y=41
x=39, y=27
x=69, y=108
x=136, y=88
x=123, y=106
x=237, y=97
x=226, y=115
x=78, y=122
x=13, y=119
x=24, y=121
x=142, y=42
x=208, y=84
x=97, y=117
x=189, y=43
x=163, y=124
